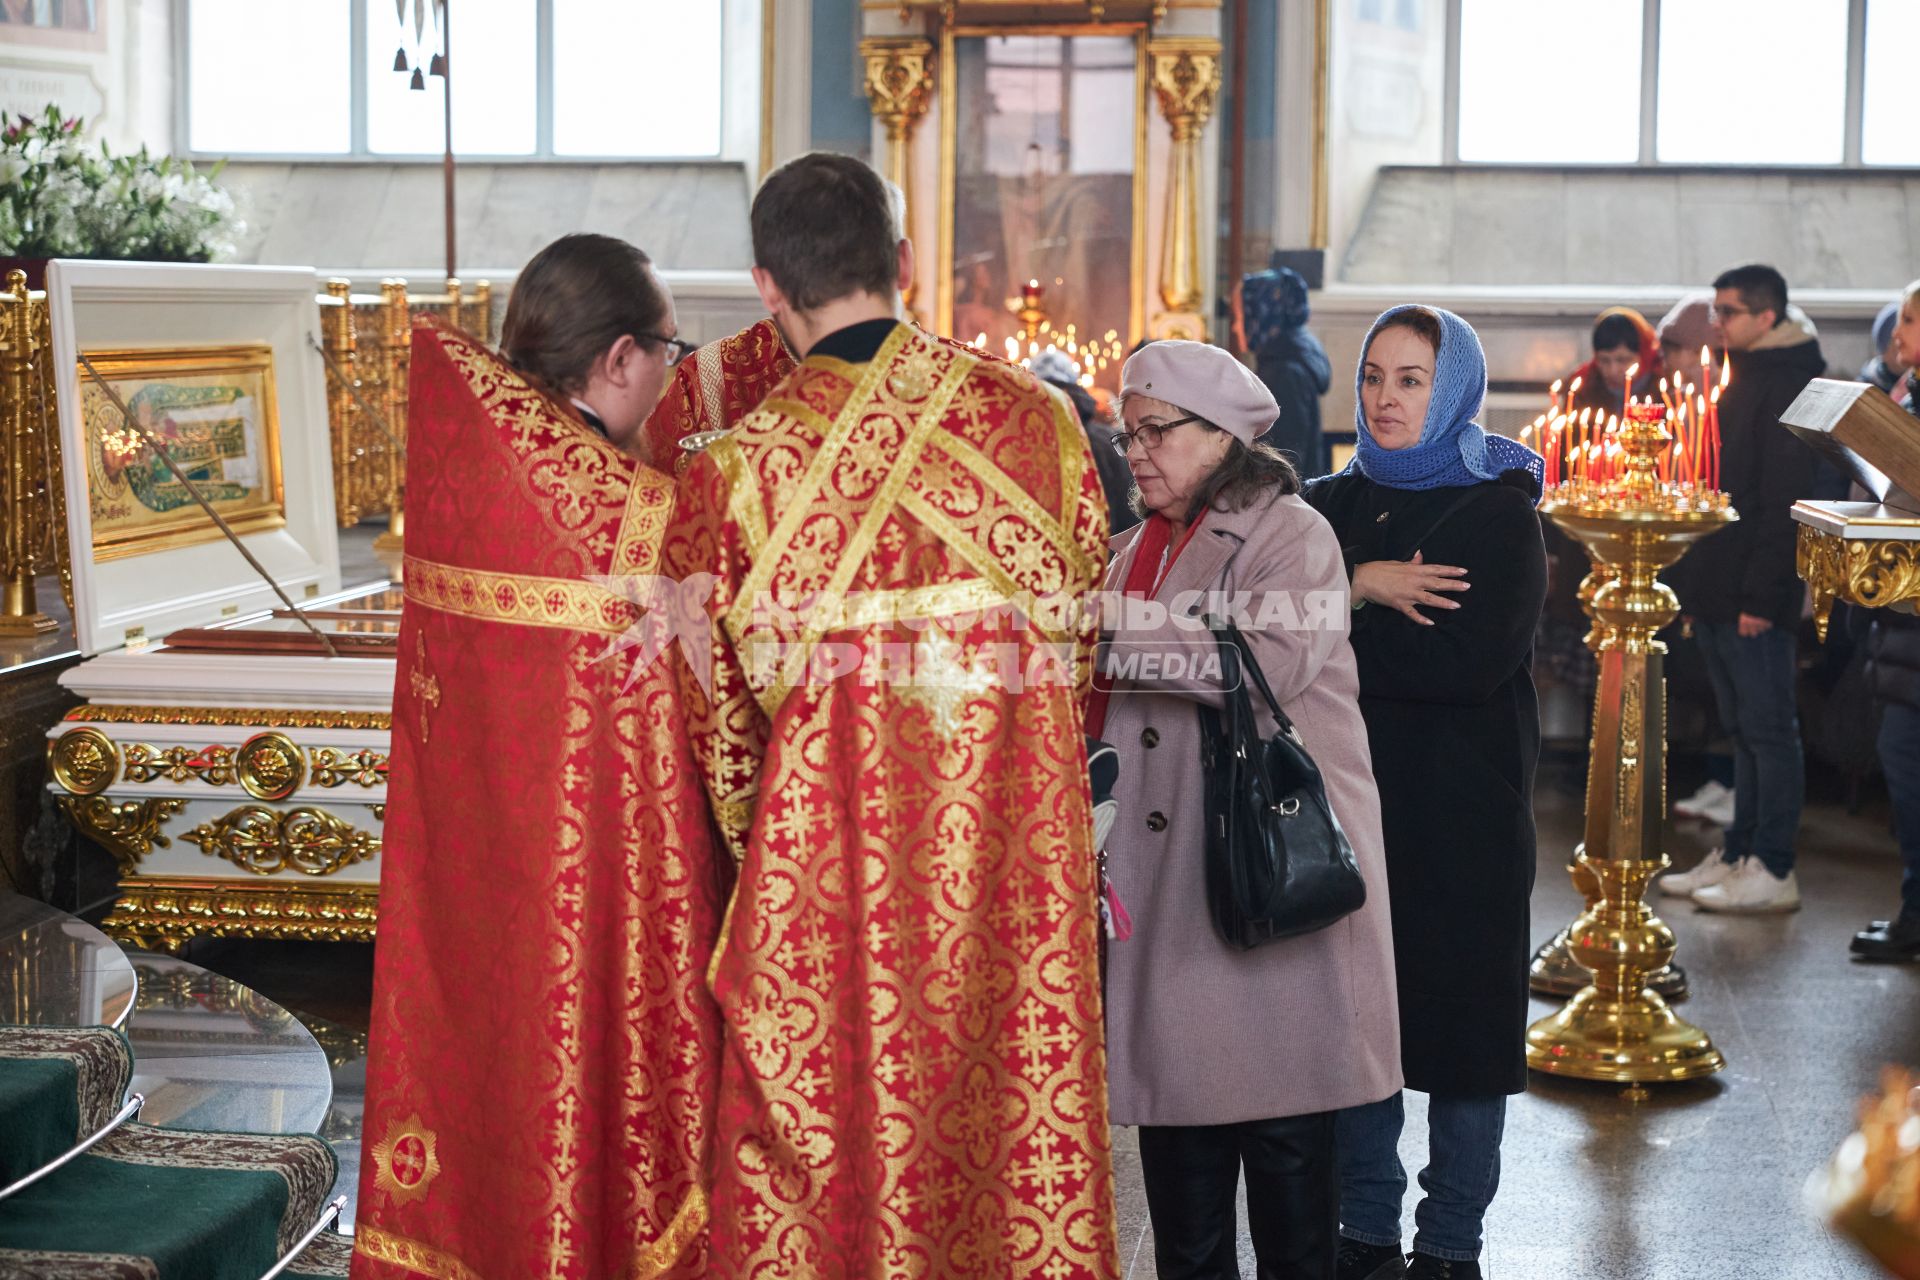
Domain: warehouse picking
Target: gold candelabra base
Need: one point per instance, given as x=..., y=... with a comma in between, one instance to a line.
x=1618, y=1029
x=1555, y=973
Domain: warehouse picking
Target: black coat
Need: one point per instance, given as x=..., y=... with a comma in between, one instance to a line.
x=1748, y=566
x=1295, y=368
x=1455, y=733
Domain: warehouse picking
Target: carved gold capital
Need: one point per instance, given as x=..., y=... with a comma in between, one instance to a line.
x=1186, y=79
x=899, y=82
x=266, y=841
x=1871, y=572
x=128, y=829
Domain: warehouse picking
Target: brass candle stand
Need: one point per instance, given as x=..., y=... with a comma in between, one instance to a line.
x=1554, y=971
x=1617, y=1027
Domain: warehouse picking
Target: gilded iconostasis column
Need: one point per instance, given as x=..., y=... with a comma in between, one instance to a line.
x=1185, y=73
x=899, y=90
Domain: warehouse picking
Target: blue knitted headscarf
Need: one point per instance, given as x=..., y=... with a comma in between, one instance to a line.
x=1452, y=450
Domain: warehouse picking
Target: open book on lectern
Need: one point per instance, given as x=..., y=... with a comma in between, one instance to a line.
x=1862, y=431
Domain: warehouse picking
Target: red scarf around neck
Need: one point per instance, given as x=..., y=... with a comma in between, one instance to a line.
x=1145, y=576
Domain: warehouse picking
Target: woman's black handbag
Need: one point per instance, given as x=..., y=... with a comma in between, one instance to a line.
x=1278, y=864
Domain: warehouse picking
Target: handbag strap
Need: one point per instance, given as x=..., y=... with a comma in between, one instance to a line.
x=1235, y=645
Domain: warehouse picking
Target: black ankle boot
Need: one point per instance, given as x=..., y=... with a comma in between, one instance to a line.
x=1360, y=1261
x=1424, y=1266
x=1895, y=940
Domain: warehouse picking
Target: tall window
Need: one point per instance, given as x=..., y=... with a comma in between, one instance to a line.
x=1747, y=82
x=614, y=79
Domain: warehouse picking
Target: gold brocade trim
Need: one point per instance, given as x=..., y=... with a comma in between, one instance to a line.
x=566, y=604
x=663, y=1254
x=917, y=604
x=979, y=557
x=851, y=414
x=385, y=1246
x=264, y=717
x=636, y=549
x=1023, y=503
x=743, y=494
x=164, y=913
x=707, y=365
x=925, y=422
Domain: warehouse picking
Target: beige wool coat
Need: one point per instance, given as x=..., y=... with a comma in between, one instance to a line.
x=1199, y=1033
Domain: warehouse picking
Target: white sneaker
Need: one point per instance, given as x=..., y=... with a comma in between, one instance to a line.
x=1697, y=804
x=1751, y=890
x=1711, y=869
x=1720, y=812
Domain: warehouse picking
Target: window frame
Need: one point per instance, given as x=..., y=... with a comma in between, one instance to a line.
x=1852, y=131
x=358, y=152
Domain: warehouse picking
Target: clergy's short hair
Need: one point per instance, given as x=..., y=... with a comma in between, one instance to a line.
x=824, y=227
x=1760, y=287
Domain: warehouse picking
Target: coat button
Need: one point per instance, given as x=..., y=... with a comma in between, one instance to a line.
x=1156, y=821
x=1149, y=738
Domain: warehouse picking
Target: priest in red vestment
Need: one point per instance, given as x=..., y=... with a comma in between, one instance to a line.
x=913, y=1080
x=721, y=383
x=540, y=1083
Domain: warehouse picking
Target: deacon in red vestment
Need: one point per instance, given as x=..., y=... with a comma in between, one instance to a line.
x=540, y=1083
x=721, y=383
x=913, y=1080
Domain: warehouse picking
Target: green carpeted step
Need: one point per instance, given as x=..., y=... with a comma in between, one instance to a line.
x=58, y=1085
x=182, y=1204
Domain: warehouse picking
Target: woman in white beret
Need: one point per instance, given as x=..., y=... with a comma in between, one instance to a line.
x=1231, y=1060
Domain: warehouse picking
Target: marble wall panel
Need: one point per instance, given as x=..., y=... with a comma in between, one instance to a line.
x=379, y=218
x=1827, y=229
x=1407, y=230
x=717, y=233
x=1619, y=234
x=1715, y=235
x=529, y=206
x=1513, y=231
x=1851, y=236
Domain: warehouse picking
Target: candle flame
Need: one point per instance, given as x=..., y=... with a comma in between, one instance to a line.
x=1706, y=356
x=1632, y=369
x=1726, y=374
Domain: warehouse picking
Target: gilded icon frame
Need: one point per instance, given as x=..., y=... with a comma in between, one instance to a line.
x=133, y=371
x=947, y=90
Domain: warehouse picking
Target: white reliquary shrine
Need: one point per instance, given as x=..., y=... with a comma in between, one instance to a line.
x=236, y=770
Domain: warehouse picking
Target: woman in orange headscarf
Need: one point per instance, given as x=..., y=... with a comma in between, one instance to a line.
x=1622, y=338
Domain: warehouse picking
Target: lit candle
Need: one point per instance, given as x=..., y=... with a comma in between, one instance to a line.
x=1713, y=437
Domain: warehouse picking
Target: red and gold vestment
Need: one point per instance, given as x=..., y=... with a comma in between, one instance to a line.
x=913, y=1081
x=719, y=384
x=541, y=1075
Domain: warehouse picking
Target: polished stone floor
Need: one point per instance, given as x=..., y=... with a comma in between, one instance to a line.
x=1702, y=1181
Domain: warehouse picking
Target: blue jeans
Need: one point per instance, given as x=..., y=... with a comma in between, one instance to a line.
x=1462, y=1173
x=1753, y=687
x=1900, y=760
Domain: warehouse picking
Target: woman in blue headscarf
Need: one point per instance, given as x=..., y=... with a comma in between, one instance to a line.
x=1436, y=521
x=1290, y=360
